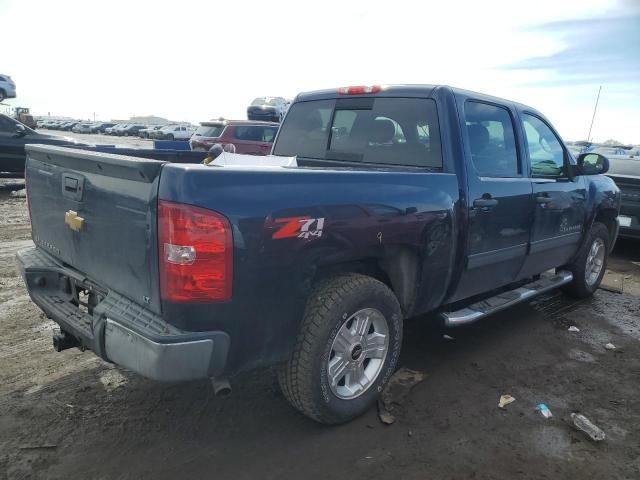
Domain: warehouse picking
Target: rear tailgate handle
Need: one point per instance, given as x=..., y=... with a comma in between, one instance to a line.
x=72, y=186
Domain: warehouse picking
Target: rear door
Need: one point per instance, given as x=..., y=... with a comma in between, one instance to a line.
x=500, y=202
x=560, y=201
x=97, y=213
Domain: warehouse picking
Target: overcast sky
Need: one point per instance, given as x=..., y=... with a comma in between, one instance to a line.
x=195, y=60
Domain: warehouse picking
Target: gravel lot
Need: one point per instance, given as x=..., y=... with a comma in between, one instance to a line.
x=71, y=415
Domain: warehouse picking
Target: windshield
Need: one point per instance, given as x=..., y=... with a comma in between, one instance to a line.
x=387, y=131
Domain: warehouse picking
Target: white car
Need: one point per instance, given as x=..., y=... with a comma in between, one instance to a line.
x=7, y=87
x=174, y=132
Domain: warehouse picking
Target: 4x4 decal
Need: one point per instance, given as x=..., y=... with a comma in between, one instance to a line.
x=300, y=227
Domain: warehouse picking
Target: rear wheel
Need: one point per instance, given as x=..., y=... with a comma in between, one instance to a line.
x=170, y=137
x=589, y=266
x=347, y=349
x=3, y=95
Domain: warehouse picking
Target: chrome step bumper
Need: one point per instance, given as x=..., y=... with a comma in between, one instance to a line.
x=504, y=300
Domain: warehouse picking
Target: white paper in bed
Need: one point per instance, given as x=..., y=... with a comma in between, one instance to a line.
x=239, y=160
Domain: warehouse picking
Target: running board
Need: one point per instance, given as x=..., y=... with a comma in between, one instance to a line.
x=504, y=300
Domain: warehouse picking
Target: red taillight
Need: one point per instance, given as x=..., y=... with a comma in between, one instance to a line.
x=359, y=90
x=195, y=247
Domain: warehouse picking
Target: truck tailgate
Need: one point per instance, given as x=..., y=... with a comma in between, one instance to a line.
x=96, y=212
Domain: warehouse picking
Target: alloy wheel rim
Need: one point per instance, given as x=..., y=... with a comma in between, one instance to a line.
x=358, y=353
x=595, y=261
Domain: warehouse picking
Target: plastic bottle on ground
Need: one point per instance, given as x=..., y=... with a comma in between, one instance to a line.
x=583, y=423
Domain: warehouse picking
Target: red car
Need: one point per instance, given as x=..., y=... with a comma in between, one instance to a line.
x=249, y=137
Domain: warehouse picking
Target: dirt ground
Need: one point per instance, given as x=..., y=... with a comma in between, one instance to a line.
x=70, y=415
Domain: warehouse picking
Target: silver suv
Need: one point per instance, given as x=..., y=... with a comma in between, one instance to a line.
x=7, y=87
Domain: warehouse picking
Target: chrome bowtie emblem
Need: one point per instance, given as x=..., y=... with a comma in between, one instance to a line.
x=72, y=219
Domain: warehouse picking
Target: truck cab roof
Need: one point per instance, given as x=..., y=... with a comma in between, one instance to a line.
x=411, y=90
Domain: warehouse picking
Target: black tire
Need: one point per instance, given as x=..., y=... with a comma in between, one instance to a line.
x=580, y=287
x=170, y=137
x=3, y=95
x=304, y=378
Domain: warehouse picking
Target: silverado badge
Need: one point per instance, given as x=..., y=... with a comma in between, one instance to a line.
x=72, y=219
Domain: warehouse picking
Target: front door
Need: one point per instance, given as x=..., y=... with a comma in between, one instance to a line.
x=560, y=202
x=500, y=203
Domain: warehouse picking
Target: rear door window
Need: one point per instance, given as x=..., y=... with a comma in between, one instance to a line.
x=254, y=133
x=491, y=140
x=372, y=130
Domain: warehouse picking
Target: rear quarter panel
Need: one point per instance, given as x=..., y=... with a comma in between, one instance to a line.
x=353, y=215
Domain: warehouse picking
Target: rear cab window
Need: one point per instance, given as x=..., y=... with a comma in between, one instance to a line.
x=368, y=130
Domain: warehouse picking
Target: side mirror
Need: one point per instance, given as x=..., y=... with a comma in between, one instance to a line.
x=593, y=163
x=20, y=130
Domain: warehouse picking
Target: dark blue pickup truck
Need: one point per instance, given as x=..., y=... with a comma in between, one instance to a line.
x=405, y=200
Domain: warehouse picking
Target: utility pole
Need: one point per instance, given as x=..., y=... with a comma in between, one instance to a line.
x=594, y=114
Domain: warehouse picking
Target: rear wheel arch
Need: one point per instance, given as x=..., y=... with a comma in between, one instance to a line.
x=398, y=269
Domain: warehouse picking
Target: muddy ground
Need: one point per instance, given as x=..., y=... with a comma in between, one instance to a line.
x=70, y=415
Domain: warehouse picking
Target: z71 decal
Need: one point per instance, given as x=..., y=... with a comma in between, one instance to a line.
x=300, y=227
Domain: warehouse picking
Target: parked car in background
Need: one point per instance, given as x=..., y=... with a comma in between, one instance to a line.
x=82, y=128
x=7, y=87
x=118, y=128
x=616, y=151
x=249, y=137
x=56, y=124
x=173, y=132
x=625, y=171
x=13, y=138
x=109, y=130
x=100, y=127
x=130, y=130
x=271, y=109
x=145, y=132
x=67, y=127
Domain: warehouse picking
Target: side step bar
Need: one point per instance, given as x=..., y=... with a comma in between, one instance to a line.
x=504, y=300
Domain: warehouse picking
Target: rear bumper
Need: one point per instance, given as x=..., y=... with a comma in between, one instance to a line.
x=119, y=330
